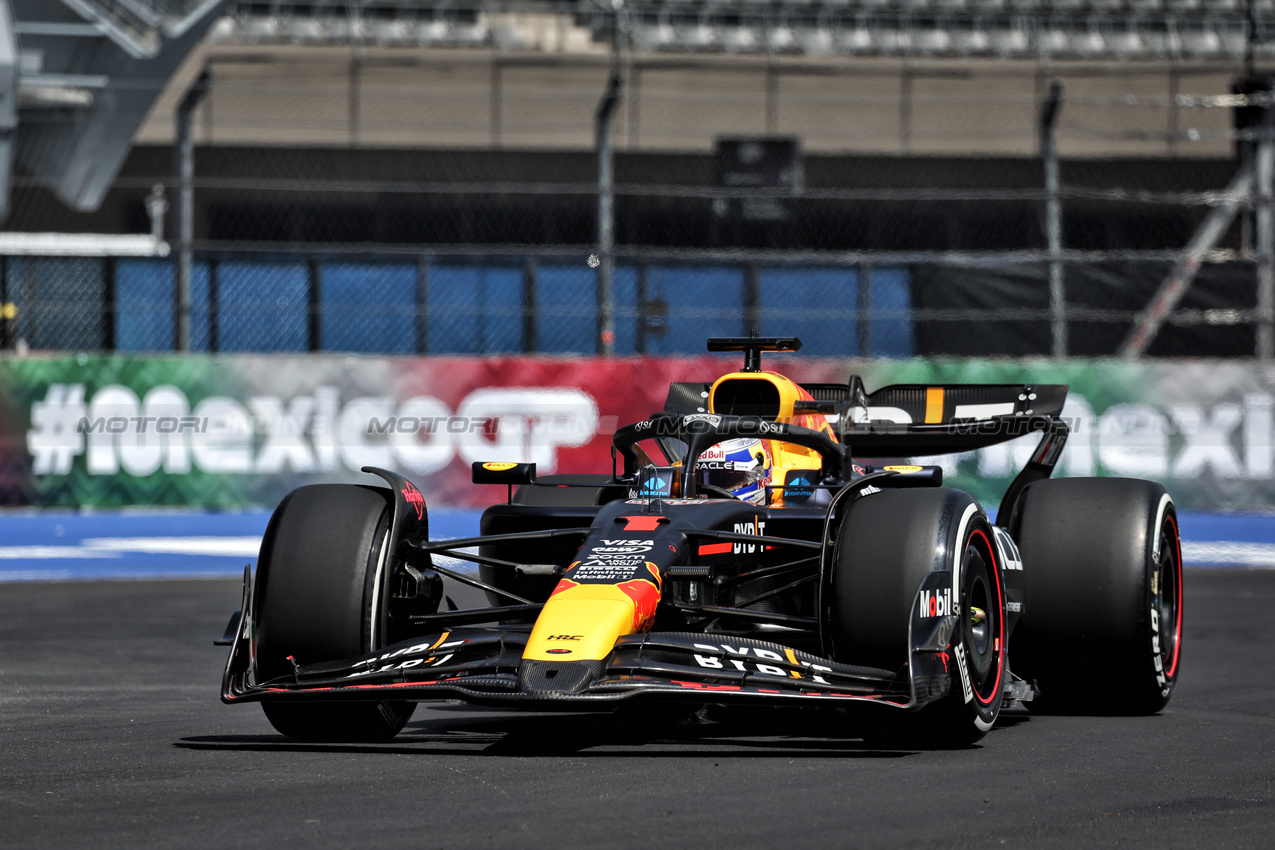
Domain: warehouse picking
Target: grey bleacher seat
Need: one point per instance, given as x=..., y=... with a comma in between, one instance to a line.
x=1200, y=42
x=855, y=39
x=1233, y=39
x=508, y=36
x=254, y=29
x=739, y=39
x=970, y=42
x=1053, y=41
x=225, y=30
x=341, y=29
x=429, y=32
x=303, y=30
x=387, y=32
x=653, y=36
x=1008, y=42
x=779, y=39
x=1158, y=42
x=930, y=41
x=470, y=34
x=1125, y=44
x=891, y=41
x=696, y=37
x=987, y=6
x=815, y=41
x=1086, y=43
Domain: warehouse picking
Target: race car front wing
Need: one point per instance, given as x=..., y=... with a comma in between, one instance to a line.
x=486, y=666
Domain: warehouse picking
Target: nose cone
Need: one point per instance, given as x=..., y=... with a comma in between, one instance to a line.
x=581, y=622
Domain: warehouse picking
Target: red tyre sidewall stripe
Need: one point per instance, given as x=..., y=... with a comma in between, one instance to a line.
x=1000, y=620
x=1177, y=625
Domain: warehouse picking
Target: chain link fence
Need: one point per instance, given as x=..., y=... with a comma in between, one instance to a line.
x=438, y=202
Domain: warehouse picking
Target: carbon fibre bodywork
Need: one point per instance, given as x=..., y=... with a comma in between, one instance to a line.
x=634, y=586
x=754, y=653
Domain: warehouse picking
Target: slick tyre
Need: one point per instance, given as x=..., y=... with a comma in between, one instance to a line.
x=889, y=542
x=320, y=595
x=1101, y=631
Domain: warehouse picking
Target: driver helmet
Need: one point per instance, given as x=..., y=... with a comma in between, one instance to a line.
x=742, y=466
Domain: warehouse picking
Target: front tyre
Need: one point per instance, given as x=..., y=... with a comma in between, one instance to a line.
x=889, y=543
x=320, y=595
x=1101, y=631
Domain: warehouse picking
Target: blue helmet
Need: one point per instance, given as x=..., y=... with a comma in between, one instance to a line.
x=742, y=466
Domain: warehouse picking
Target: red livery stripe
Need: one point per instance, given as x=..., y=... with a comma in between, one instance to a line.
x=643, y=523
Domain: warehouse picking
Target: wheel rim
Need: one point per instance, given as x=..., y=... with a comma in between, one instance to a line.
x=982, y=624
x=1167, y=595
x=978, y=602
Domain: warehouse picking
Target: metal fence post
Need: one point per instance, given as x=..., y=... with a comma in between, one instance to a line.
x=530, y=315
x=1053, y=218
x=752, y=297
x=606, y=213
x=214, y=305
x=185, y=151
x=314, y=304
x=109, y=314
x=1265, y=235
x=863, y=307
x=422, y=304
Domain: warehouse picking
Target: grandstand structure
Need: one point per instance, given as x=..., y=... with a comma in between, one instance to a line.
x=1064, y=29
x=451, y=150
x=73, y=85
x=91, y=78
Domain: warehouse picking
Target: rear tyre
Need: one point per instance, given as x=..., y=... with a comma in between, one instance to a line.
x=320, y=595
x=888, y=543
x=1101, y=631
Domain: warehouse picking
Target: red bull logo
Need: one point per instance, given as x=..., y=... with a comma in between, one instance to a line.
x=564, y=584
x=646, y=598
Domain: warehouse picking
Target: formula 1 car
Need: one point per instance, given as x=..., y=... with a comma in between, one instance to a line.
x=757, y=542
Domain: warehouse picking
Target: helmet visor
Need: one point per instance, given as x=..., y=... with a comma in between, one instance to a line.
x=728, y=475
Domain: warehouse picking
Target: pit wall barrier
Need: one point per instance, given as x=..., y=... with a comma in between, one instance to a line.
x=234, y=431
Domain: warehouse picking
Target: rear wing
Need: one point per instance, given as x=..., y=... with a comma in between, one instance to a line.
x=910, y=420
x=907, y=420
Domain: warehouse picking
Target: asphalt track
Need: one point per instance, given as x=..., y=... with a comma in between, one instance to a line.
x=112, y=735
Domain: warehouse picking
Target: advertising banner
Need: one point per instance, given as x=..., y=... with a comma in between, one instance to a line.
x=242, y=430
